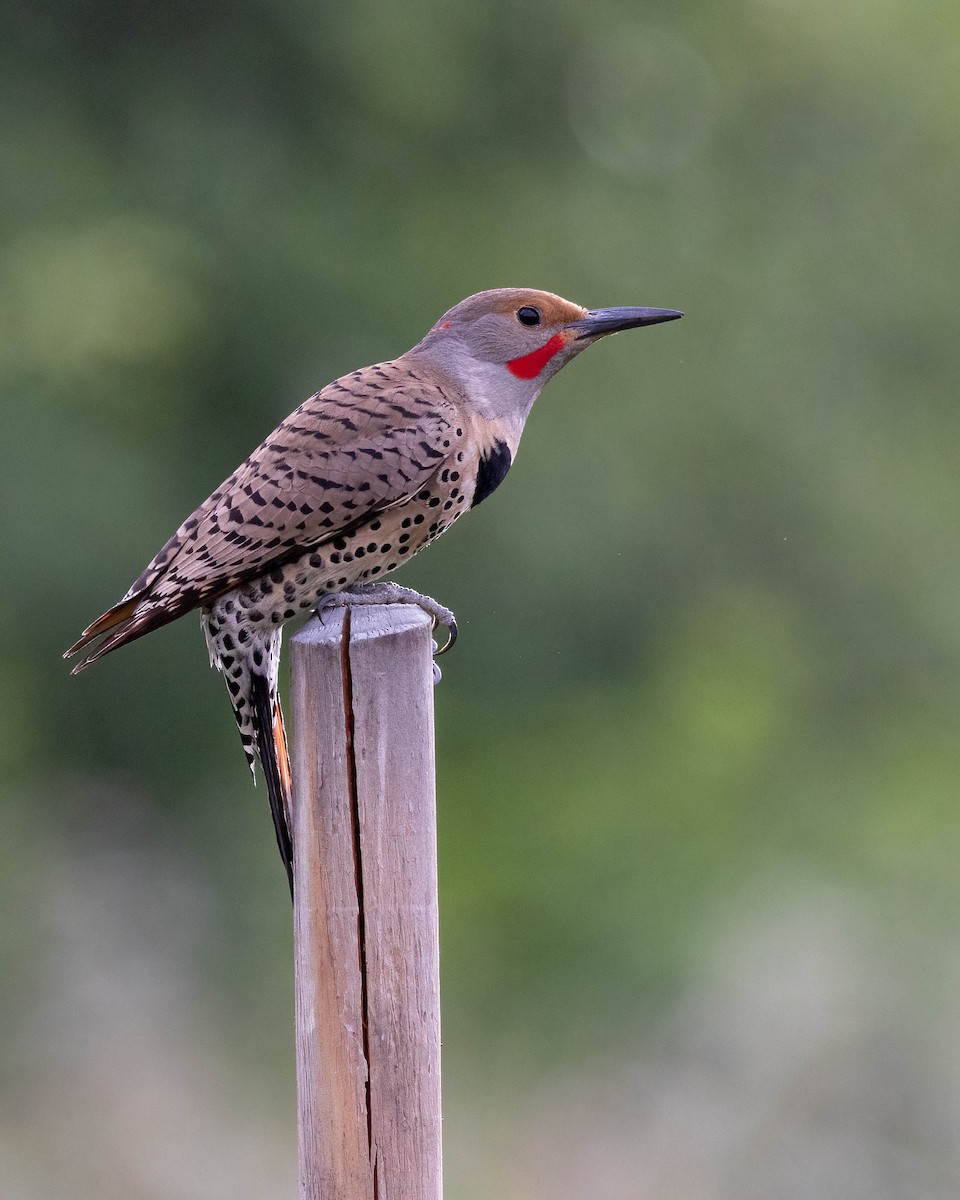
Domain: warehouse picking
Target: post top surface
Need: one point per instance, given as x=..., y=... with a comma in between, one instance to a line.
x=366, y=621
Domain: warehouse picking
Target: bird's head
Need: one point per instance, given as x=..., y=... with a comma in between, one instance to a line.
x=503, y=345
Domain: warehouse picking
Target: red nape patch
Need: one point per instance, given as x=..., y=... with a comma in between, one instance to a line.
x=530, y=365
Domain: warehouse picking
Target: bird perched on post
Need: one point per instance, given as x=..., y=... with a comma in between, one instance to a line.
x=349, y=487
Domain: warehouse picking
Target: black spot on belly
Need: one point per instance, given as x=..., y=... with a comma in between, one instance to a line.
x=493, y=466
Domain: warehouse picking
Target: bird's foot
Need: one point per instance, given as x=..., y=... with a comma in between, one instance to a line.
x=393, y=593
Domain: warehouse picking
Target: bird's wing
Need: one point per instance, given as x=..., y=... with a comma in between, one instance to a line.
x=367, y=441
x=364, y=443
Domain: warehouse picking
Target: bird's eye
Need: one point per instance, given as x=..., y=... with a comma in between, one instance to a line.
x=528, y=316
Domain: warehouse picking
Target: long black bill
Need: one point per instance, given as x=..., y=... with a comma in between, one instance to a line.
x=600, y=321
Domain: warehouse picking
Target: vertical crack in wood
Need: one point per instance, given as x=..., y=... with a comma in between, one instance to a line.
x=355, y=828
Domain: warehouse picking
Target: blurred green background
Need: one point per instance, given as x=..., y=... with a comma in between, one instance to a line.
x=698, y=745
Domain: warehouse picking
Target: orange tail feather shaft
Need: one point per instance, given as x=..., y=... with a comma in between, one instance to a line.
x=283, y=757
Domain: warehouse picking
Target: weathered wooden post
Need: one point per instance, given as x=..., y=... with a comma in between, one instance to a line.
x=365, y=906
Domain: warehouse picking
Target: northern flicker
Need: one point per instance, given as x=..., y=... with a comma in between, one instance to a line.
x=349, y=487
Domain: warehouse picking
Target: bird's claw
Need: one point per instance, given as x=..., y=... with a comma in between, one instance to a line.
x=330, y=600
x=393, y=593
x=450, y=624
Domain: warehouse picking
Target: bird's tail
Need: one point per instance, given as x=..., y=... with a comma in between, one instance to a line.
x=271, y=744
x=249, y=661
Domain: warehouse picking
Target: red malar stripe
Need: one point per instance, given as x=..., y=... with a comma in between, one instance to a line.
x=530, y=365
